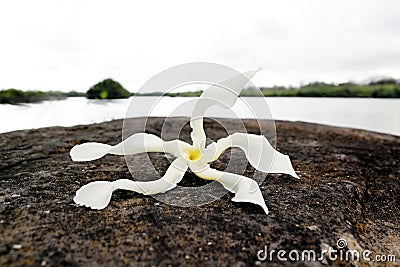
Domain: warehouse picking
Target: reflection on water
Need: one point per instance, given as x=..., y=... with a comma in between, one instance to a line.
x=381, y=115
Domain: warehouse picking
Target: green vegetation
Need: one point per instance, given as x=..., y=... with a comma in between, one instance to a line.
x=15, y=96
x=386, y=88
x=148, y=94
x=183, y=94
x=378, y=89
x=110, y=89
x=74, y=94
x=107, y=89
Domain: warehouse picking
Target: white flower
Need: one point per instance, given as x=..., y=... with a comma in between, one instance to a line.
x=259, y=152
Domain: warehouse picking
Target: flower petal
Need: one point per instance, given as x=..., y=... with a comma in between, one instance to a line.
x=259, y=153
x=245, y=189
x=171, y=178
x=137, y=143
x=224, y=95
x=97, y=195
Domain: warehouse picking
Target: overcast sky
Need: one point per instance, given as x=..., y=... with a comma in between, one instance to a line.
x=71, y=45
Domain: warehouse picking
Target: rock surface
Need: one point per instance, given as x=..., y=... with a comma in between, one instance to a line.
x=349, y=189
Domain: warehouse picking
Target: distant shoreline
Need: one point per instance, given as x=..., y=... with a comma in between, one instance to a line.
x=378, y=89
x=15, y=96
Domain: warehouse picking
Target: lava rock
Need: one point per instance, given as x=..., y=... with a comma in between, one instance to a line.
x=348, y=189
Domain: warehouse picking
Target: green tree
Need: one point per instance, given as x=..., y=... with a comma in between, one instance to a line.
x=107, y=89
x=14, y=96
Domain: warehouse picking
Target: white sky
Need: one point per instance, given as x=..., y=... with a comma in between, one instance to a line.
x=71, y=45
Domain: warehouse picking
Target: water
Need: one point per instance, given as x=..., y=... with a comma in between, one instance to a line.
x=380, y=115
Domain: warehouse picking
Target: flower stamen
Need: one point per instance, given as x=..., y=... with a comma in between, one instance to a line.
x=194, y=154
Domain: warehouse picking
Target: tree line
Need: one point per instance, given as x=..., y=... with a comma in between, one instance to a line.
x=110, y=89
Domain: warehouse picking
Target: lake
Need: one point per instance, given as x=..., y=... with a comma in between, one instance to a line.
x=379, y=115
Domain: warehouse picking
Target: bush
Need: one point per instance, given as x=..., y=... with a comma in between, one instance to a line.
x=14, y=96
x=383, y=81
x=107, y=89
x=383, y=89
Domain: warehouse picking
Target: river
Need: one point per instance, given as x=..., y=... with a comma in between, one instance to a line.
x=379, y=115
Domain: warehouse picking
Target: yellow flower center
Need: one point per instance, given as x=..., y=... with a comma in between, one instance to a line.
x=194, y=154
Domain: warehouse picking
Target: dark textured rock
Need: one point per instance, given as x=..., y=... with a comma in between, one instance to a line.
x=349, y=188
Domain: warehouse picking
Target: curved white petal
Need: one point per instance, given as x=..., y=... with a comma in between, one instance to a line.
x=259, y=153
x=97, y=195
x=245, y=189
x=171, y=178
x=224, y=95
x=137, y=143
